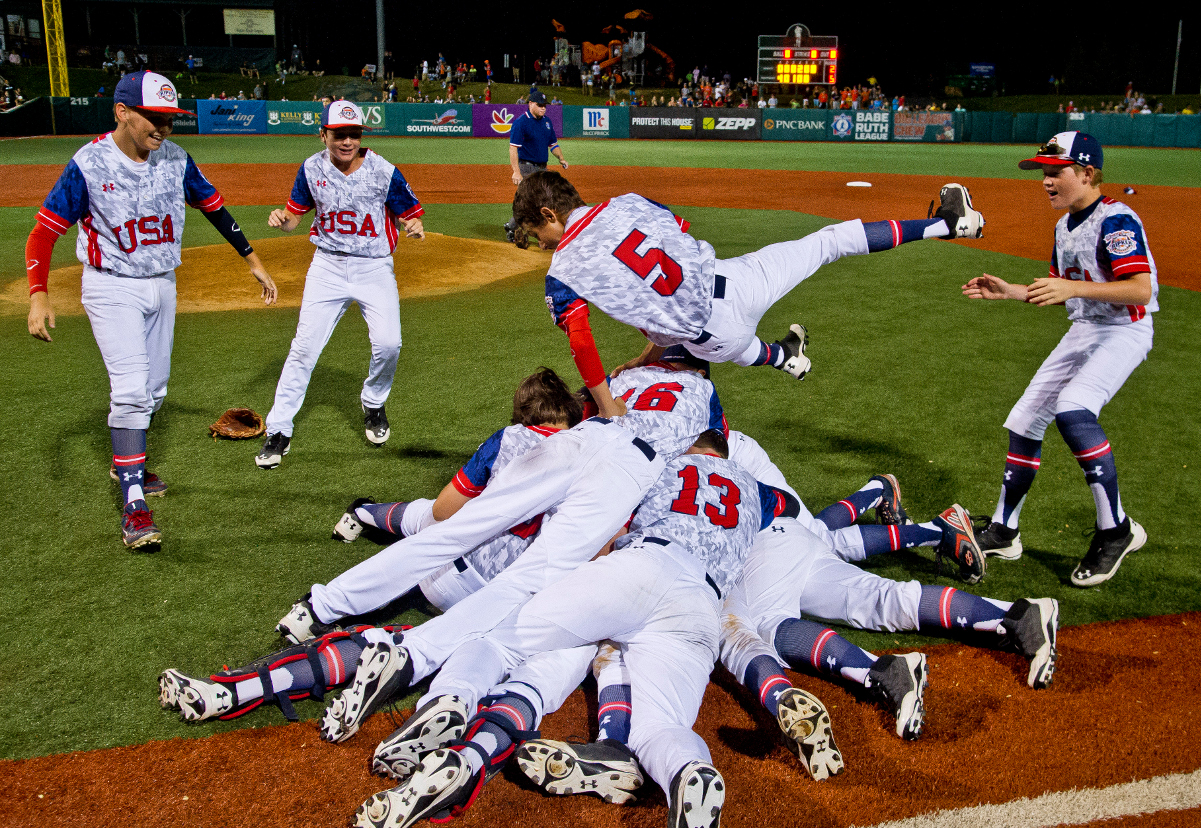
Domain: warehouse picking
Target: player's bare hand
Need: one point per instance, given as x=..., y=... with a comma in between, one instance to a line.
x=283, y=220
x=516, y=177
x=39, y=312
x=636, y=362
x=1048, y=291
x=615, y=407
x=987, y=287
x=270, y=292
x=562, y=163
x=414, y=229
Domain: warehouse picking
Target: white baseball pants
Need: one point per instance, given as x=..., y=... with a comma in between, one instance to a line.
x=332, y=284
x=654, y=603
x=133, y=321
x=758, y=280
x=1085, y=370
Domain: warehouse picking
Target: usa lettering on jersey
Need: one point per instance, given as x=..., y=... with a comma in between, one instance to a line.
x=666, y=408
x=131, y=215
x=707, y=505
x=1109, y=245
x=354, y=213
x=635, y=261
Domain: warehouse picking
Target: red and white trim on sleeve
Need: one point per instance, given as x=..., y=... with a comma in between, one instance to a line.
x=53, y=221
x=464, y=486
x=1092, y=453
x=815, y=655
x=1053, y=272
x=211, y=204
x=416, y=211
x=1023, y=460
x=583, y=222
x=944, y=607
x=296, y=209
x=684, y=224
x=1129, y=266
x=390, y=231
x=545, y=431
x=572, y=310
x=1136, y=312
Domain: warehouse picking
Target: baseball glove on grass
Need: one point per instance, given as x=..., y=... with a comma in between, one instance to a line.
x=238, y=424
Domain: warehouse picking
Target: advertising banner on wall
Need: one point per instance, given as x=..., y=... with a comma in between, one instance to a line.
x=293, y=117
x=662, y=122
x=728, y=124
x=232, y=117
x=924, y=126
x=437, y=119
x=496, y=120
x=795, y=125
x=383, y=118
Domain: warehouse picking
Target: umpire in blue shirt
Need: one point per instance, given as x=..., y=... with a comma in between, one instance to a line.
x=531, y=141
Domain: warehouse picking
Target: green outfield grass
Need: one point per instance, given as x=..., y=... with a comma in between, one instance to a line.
x=909, y=378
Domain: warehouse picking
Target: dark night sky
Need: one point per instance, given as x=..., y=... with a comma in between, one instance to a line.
x=908, y=50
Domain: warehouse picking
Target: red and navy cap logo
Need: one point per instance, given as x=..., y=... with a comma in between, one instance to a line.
x=348, y=113
x=167, y=93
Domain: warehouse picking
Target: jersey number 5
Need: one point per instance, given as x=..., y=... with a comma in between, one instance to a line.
x=725, y=514
x=670, y=276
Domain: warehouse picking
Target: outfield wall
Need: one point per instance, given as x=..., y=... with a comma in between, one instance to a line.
x=92, y=116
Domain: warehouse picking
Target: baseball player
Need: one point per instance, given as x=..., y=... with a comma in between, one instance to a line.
x=1102, y=269
x=531, y=141
x=127, y=191
x=361, y=202
x=656, y=595
x=635, y=260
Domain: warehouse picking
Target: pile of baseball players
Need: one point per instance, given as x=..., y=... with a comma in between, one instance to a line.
x=624, y=531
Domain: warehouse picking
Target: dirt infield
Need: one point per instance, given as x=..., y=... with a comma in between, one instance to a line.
x=1019, y=219
x=1123, y=707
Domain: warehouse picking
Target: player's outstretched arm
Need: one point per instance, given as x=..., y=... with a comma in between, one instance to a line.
x=606, y=404
x=1133, y=290
x=283, y=220
x=991, y=287
x=270, y=294
x=41, y=315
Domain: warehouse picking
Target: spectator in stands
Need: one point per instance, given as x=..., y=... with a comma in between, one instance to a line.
x=258, y=92
x=317, y=70
x=191, y=64
x=241, y=94
x=772, y=101
x=279, y=70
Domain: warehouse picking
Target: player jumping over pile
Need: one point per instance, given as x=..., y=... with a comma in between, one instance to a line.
x=635, y=261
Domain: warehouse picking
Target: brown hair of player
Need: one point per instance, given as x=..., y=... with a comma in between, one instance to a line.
x=544, y=189
x=712, y=442
x=543, y=398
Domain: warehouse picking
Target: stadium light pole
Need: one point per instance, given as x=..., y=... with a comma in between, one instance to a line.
x=379, y=37
x=1176, y=66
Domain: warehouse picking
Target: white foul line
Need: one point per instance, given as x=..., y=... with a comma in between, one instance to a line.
x=1162, y=793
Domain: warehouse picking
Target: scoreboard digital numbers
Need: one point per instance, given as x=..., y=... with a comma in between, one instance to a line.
x=798, y=58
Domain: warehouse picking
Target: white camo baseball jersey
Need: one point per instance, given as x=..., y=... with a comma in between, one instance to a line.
x=667, y=408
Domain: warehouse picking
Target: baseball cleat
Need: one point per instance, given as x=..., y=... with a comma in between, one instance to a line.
x=384, y=671
x=1106, y=552
x=805, y=723
x=436, y=724
x=301, y=623
x=889, y=511
x=348, y=528
x=138, y=530
x=1029, y=628
x=696, y=796
x=375, y=424
x=272, y=453
x=955, y=209
x=440, y=788
x=197, y=699
x=152, y=484
x=900, y=683
x=959, y=543
x=1000, y=541
x=794, y=343
x=607, y=768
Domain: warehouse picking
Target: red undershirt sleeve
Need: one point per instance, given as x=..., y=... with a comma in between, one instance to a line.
x=38, y=250
x=583, y=349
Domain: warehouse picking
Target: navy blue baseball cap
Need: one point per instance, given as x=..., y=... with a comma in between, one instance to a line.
x=1064, y=148
x=537, y=97
x=681, y=356
x=148, y=90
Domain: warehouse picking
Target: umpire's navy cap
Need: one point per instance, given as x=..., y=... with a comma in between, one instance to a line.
x=537, y=97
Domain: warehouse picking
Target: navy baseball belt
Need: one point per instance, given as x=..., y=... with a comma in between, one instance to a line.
x=708, y=578
x=719, y=292
x=640, y=444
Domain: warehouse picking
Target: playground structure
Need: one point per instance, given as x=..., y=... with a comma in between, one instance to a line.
x=622, y=54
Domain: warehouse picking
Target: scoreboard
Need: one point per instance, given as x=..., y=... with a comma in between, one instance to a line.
x=798, y=58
